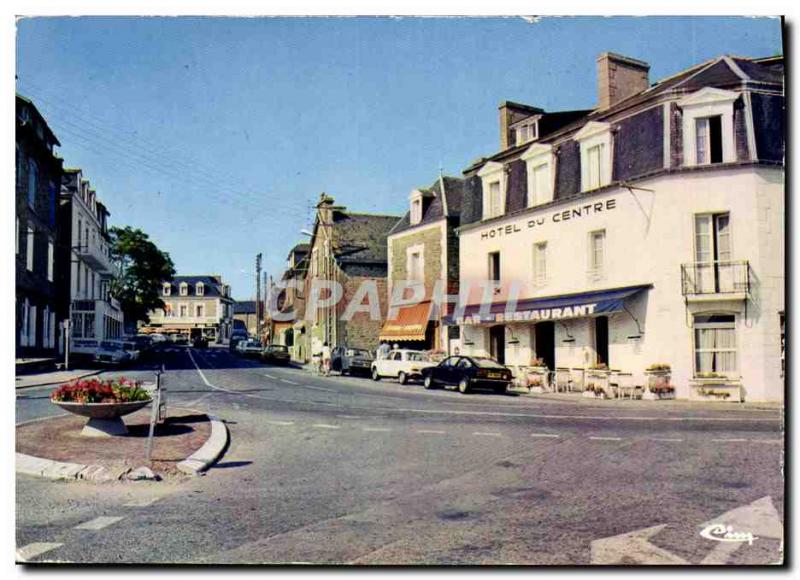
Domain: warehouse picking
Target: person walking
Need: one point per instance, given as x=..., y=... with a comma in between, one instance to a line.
x=326, y=359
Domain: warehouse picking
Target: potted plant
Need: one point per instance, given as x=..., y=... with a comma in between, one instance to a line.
x=657, y=375
x=594, y=391
x=599, y=375
x=716, y=386
x=103, y=401
x=659, y=391
x=537, y=375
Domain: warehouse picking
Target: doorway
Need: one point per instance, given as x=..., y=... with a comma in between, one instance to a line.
x=497, y=343
x=601, y=340
x=544, y=341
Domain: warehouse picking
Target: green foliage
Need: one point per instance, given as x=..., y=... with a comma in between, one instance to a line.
x=143, y=269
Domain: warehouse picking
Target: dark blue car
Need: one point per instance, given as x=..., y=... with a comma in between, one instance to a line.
x=468, y=373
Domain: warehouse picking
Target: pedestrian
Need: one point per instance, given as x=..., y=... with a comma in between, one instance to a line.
x=326, y=359
x=396, y=346
x=383, y=350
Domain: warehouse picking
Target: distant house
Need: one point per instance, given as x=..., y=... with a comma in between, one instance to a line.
x=194, y=306
x=244, y=316
x=348, y=248
x=288, y=299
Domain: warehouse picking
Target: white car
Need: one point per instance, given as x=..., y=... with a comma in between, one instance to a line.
x=112, y=352
x=402, y=364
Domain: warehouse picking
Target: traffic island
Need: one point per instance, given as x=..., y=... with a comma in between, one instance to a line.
x=187, y=442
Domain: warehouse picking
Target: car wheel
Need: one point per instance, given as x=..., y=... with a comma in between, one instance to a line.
x=375, y=375
x=402, y=378
x=463, y=386
x=428, y=382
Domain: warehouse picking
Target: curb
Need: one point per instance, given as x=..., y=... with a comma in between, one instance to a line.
x=91, y=374
x=211, y=450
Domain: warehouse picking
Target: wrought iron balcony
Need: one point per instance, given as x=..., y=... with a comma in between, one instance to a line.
x=731, y=279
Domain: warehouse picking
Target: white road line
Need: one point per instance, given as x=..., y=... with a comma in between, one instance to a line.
x=767, y=440
x=666, y=439
x=487, y=433
x=142, y=502
x=376, y=429
x=25, y=553
x=269, y=376
x=729, y=440
x=287, y=381
x=280, y=422
x=349, y=416
x=317, y=388
x=544, y=435
x=325, y=426
x=430, y=432
x=606, y=438
x=98, y=523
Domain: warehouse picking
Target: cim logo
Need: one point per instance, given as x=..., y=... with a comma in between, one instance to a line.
x=723, y=533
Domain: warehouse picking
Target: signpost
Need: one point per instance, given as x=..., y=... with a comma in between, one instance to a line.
x=158, y=412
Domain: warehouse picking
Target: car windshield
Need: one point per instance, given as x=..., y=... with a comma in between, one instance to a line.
x=417, y=356
x=107, y=345
x=489, y=363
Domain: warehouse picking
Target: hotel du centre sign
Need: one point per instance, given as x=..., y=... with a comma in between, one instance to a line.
x=555, y=308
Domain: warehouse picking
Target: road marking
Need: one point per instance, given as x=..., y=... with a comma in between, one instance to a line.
x=430, y=432
x=606, y=438
x=487, y=433
x=287, y=381
x=281, y=422
x=729, y=440
x=98, y=523
x=325, y=426
x=767, y=440
x=635, y=547
x=544, y=435
x=317, y=388
x=142, y=502
x=25, y=553
x=666, y=439
x=348, y=416
x=269, y=376
x=376, y=429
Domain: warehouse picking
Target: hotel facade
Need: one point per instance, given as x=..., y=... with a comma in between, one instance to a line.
x=649, y=230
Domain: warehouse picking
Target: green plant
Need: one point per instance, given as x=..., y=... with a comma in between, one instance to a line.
x=659, y=367
x=662, y=389
x=118, y=390
x=713, y=393
x=709, y=375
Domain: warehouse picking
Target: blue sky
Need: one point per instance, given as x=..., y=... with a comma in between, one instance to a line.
x=216, y=135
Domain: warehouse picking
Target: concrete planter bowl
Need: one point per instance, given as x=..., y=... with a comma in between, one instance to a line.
x=105, y=419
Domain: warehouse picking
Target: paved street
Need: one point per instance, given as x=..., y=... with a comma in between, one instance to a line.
x=347, y=470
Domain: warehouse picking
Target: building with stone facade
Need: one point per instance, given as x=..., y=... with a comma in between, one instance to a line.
x=423, y=248
x=39, y=316
x=348, y=249
x=195, y=306
x=85, y=281
x=287, y=300
x=648, y=230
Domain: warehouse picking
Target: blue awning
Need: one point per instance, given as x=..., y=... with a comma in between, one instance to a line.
x=560, y=307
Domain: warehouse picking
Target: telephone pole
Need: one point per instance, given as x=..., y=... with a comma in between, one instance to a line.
x=258, y=296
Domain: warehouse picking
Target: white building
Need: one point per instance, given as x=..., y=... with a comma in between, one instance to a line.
x=649, y=231
x=95, y=315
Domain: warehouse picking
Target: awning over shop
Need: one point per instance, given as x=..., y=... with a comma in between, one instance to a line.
x=560, y=307
x=410, y=324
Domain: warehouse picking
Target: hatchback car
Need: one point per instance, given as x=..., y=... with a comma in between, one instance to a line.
x=353, y=361
x=276, y=354
x=468, y=373
x=249, y=348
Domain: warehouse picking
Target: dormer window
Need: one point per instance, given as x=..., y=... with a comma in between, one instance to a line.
x=184, y=289
x=416, y=207
x=708, y=127
x=493, y=178
x=199, y=289
x=526, y=132
x=595, y=143
x=166, y=289
x=540, y=164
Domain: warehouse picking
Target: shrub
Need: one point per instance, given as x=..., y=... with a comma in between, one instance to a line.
x=659, y=367
x=118, y=390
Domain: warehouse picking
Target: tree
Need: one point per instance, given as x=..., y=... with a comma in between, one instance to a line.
x=143, y=269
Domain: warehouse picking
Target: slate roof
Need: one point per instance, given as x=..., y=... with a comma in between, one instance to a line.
x=360, y=241
x=300, y=249
x=433, y=209
x=212, y=285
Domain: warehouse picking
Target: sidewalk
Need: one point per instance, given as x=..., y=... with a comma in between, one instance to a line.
x=53, y=377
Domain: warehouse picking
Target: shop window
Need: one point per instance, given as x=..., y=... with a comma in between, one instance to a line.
x=715, y=344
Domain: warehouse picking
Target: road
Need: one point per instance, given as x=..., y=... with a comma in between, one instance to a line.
x=343, y=470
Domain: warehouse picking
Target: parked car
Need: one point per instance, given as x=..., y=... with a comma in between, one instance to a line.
x=157, y=338
x=249, y=348
x=467, y=373
x=352, y=361
x=131, y=348
x=276, y=354
x=180, y=338
x=111, y=352
x=200, y=342
x=236, y=338
x=143, y=342
x=403, y=365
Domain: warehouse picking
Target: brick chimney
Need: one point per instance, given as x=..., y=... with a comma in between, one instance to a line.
x=619, y=77
x=510, y=113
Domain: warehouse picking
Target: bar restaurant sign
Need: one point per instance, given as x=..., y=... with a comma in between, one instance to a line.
x=562, y=216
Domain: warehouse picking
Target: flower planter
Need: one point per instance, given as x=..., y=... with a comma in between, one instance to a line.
x=105, y=419
x=593, y=395
x=536, y=379
x=649, y=395
x=716, y=389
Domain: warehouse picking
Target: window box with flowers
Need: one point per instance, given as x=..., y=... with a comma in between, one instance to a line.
x=537, y=376
x=599, y=375
x=103, y=401
x=658, y=377
x=713, y=386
